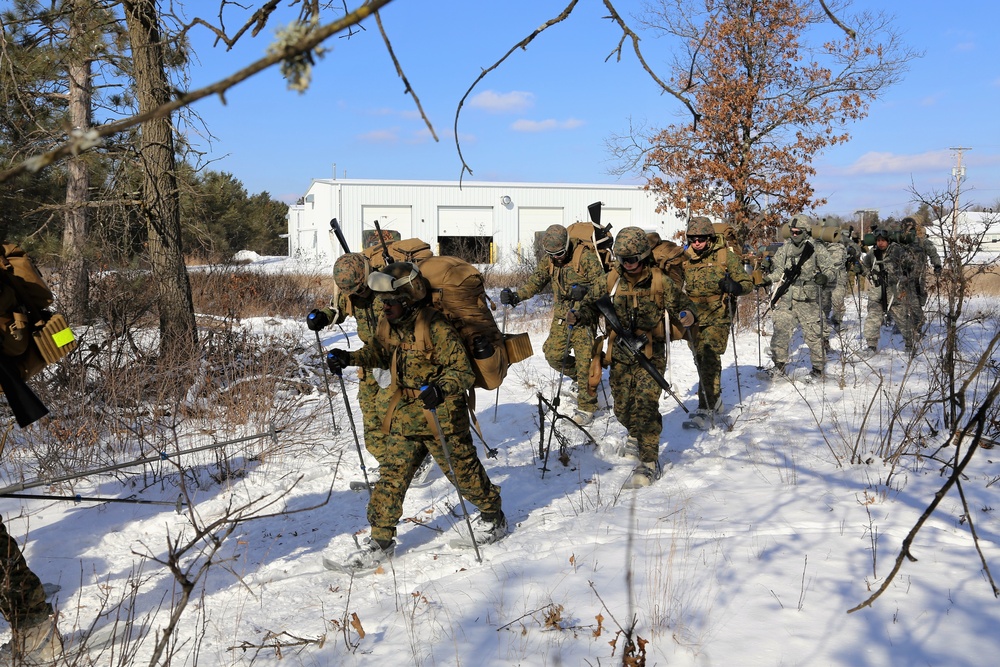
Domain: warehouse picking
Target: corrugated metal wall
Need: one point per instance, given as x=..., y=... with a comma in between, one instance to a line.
x=510, y=213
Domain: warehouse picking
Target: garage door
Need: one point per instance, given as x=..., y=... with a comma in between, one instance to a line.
x=395, y=218
x=466, y=232
x=531, y=222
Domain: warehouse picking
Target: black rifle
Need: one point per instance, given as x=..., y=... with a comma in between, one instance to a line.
x=27, y=407
x=335, y=228
x=386, y=257
x=633, y=345
x=792, y=274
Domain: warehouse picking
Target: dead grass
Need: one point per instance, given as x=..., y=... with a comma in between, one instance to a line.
x=987, y=283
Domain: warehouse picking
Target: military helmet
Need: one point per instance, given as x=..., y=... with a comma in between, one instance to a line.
x=399, y=280
x=555, y=240
x=800, y=221
x=700, y=226
x=631, y=242
x=350, y=272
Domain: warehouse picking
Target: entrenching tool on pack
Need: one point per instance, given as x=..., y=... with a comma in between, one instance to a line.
x=633, y=346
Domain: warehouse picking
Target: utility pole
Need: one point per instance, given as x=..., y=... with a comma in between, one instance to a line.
x=958, y=171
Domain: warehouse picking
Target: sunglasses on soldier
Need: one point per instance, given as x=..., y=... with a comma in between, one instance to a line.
x=697, y=238
x=629, y=259
x=797, y=232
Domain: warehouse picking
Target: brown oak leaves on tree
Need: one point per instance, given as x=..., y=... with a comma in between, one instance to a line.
x=770, y=84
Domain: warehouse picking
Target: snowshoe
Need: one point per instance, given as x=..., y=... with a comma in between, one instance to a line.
x=642, y=476
x=369, y=557
x=485, y=530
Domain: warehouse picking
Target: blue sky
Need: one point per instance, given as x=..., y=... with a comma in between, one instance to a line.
x=548, y=112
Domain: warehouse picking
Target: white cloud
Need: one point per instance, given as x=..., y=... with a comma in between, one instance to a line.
x=389, y=135
x=892, y=163
x=513, y=102
x=524, y=125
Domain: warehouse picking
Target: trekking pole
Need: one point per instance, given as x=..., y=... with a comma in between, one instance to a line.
x=98, y=499
x=326, y=381
x=736, y=359
x=354, y=430
x=503, y=333
x=436, y=423
x=350, y=419
x=760, y=361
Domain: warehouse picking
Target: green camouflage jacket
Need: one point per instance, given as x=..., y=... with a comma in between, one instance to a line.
x=443, y=362
x=702, y=274
x=587, y=271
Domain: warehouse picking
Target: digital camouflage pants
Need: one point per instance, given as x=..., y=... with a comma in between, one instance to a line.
x=371, y=416
x=22, y=598
x=637, y=402
x=805, y=314
x=712, y=342
x=905, y=311
x=402, y=458
x=581, y=342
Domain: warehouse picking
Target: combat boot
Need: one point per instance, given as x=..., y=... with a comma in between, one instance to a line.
x=37, y=644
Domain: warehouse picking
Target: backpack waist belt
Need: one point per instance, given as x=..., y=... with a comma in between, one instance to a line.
x=705, y=299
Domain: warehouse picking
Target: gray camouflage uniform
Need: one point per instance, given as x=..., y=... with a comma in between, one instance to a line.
x=801, y=304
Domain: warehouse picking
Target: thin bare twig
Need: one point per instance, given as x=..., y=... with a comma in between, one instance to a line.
x=399, y=70
x=523, y=44
x=82, y=142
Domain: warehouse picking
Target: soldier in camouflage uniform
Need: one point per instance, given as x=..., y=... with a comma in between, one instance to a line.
x=713, y=278
x=355, y=298
x=577, y=279
x=36, y=640
x=892, y=289
x=835, y=289
x=847, y=276
x=642, y=296
x=425, y=383
x=923, y=251
x=801, y=304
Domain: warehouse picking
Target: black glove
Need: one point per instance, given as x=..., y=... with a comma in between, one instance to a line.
x=577, y=292
x=338, y=360
x=821, y=279
x=508, y=297
x=730, y=286
x=937, y=270
x=317, y=319
x=432, y=396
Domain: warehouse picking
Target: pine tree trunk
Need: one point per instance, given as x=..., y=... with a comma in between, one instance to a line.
x=74, y=292
x=178, y=333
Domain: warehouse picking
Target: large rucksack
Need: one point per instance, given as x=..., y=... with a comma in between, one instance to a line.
x=593, y=237
x=29, y=334
x=668, y=256
x=403, y=250
x=457, y=290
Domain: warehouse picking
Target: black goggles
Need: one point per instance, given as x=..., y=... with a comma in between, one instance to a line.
x=697, y=238
x=797, y=232
x=630, y=259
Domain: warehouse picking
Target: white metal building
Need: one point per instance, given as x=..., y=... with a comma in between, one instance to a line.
x=500, y=219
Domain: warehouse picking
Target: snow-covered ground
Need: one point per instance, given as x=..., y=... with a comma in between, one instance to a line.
x=750, y=550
